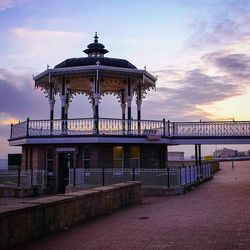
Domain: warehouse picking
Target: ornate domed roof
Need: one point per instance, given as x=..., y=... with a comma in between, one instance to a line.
x=96, y=47
x=87, y=61
x=96, y=52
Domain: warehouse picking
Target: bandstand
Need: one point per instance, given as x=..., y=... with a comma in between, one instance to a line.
x=59, y=144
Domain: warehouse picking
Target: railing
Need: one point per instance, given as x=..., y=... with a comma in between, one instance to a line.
x=108, y=126
x=169, y=177
x=24, y=178
x=19, y=130
x=230, y=128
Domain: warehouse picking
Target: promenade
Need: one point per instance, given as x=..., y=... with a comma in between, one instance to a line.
x=216, y=215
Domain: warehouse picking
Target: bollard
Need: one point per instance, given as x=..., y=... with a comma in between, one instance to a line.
x=232, y=164
x=133, y=174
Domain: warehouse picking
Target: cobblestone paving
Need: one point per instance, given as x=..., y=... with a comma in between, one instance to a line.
x=214, y=216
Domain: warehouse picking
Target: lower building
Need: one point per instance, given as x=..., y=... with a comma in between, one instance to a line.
x=57, y=159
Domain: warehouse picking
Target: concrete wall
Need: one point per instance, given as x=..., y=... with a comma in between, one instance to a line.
x=32, y=219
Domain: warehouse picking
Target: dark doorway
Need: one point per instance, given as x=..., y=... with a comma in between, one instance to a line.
x=65, y=163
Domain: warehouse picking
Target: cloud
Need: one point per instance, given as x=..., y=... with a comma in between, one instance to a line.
x=226, y=25
x=41, y=46
x=236, y=65
x=8, y=4
x=195, y=90
x=8, y=121
x=17, y=95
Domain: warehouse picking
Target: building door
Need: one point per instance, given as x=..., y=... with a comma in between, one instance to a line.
x=66, y=161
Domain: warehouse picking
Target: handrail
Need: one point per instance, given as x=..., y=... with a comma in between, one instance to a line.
x=111, y=126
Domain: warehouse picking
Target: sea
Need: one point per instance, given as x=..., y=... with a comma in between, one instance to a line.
x=3, y=164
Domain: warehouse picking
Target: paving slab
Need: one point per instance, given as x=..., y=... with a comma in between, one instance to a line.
x=216, y=215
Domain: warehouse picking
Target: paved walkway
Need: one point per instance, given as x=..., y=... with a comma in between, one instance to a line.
x=214, y=216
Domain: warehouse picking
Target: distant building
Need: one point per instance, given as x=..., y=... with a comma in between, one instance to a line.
x=175, y=156
x=244, y=153
x=224, y=153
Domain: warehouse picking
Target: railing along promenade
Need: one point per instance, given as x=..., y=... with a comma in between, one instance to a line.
x=169, y=177
x=109, y=126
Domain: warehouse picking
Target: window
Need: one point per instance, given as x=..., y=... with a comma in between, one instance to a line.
x=118, y=157
x=134, y=157
x=49, y=160
x=86, y=157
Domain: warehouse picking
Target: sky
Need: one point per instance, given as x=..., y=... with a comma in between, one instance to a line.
x=200, y=51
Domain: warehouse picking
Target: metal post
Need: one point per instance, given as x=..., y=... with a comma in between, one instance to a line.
x=11, y=127
x=201, y=176
x=164, y=127
x=103, y=176
x=27, y=128
x=196, y=155
x=74, y=176
x=168, y=177
x=185, y=175
x=31, y=179
x=190, y=177
x=168, y=128
x=19, y=176
x=166, y=156
x=197, y=171
x=133, y=174
x=180, y=175
x=232, y=164
x=199, y=150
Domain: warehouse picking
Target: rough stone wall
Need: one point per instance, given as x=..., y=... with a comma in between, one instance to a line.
x=32, y=219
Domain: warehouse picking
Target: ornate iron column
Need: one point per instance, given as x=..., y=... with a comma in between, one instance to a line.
x=129, y=101
x=96, y=100
x=63, y=104
x=52, y=104
x=66, y=106
x=139, y=102
x=123, y=107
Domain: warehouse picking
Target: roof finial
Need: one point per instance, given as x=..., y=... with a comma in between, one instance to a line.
x=96, y=38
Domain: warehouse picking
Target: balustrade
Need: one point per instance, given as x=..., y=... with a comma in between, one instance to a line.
x=208, y=129
x=108, y=126
x=19, y=130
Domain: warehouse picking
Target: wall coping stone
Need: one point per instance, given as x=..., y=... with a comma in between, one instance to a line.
x=17, y=208
x=81, y=193
x=49, y=201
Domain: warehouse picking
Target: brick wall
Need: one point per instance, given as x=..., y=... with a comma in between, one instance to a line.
x=32, y=219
